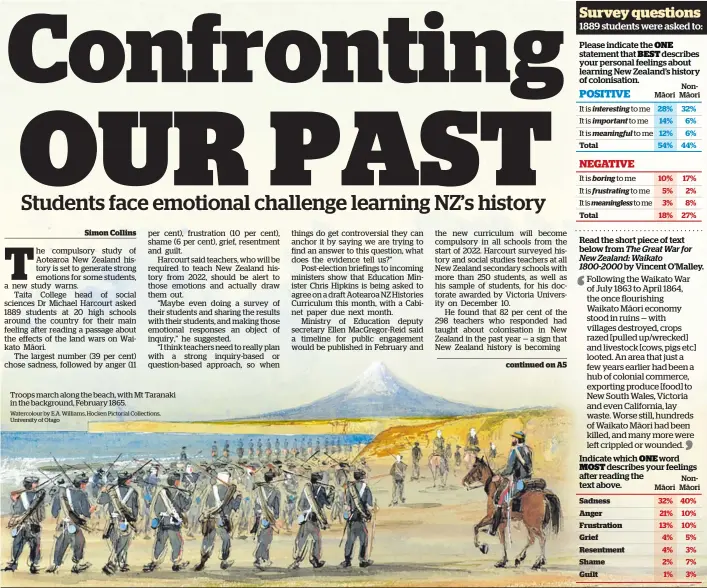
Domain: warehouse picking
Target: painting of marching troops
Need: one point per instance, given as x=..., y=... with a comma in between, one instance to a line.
x=269, y=490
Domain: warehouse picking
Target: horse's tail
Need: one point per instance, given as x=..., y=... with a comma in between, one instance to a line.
x=553, y=512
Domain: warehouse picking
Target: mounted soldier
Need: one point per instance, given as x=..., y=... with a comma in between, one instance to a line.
x=518, y=470
x=73, y=504
x=28, y=511
x=169, y=506
x=122, y=505
x=215, y=519
x=359, y=512
x=312, y=503
x=267, y=513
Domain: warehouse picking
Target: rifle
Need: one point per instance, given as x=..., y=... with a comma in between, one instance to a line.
x=111, y=466
x=373, y=530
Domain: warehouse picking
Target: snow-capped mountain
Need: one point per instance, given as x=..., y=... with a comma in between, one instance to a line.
x=377, y=392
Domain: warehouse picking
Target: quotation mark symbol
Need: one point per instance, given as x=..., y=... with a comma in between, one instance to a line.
x=580, y=280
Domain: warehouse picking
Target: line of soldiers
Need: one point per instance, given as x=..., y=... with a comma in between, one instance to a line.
x=289, y=448
x=217, y=499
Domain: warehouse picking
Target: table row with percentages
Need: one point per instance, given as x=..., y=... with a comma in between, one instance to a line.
x=639, y=127
x=639, y=195
x=658, y=536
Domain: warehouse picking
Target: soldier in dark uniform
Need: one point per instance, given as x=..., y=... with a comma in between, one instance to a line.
x=267, y=512
x=291, y=489
x=28, y=511
x=416, y=458
x=359, y=511
x=97, y=483
x=214, y=450
x=73, y=504
x=318, y=448
x=121, y=502
x=220, y=502
x=458, y=457
x=183, y=454
x=314, y=499
x=169, y=506
x=519, y=468
x=277, y=449
x=226, y=450
x=259, y=450
x=472, y=441
x=240, y=451
x=268, y=448
x=251, y=450
x=285, y=448
x=397, y=471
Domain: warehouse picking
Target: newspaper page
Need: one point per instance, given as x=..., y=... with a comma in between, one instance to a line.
x=345, y=293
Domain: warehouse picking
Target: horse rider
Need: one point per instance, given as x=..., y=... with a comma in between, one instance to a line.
x=359, y=511
x=416, y=458
x=519, y=468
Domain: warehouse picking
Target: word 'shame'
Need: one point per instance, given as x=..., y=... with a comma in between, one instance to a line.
x=534, y=80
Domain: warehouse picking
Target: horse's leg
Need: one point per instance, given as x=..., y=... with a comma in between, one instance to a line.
x=531, y=540
x=485, y=522
x=540, y=562
x=502, y=536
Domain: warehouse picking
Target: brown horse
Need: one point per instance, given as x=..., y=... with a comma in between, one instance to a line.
x=439, y=468
x=539, y=509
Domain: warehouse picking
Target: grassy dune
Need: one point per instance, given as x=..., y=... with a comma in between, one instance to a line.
x=541, y=426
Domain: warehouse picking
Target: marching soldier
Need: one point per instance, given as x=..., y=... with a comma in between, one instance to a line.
x=291, y=489
x=226, y=450
x=267, y=512
x=73, y=504
x=458, y=457
x=215, y=519
x=240, y=452
x=122, y=504
x=169, y=505
x=472, y=441
x=259, y=451
x=312, y=502
x=183, y=454
x=397, y=471
x=416, y=458
x=214, y=450
x=28, y=511
x=519, y=468
x=277, y=449
x=359, y=507
x=251, y=450
x=286, y=449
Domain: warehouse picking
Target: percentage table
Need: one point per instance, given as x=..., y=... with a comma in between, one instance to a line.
x=651, y=538
x=676, y=537
x=639, y=127
x=630, y=195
